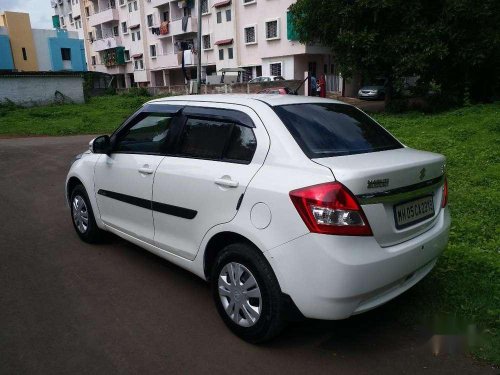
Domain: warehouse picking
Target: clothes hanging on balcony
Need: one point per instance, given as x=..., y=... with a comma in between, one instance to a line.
x=155, y=30
x=188, y=57
x=185, y=23
x=164, y=28
x=184, y=70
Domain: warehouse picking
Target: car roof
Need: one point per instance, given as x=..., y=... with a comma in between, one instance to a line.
x=246, y=99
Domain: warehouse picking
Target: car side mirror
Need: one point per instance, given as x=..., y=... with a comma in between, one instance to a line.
x=100, y=145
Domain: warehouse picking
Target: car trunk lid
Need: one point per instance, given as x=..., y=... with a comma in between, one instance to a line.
x=391, y=184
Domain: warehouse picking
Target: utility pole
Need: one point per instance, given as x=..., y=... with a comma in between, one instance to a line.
x=198, y=81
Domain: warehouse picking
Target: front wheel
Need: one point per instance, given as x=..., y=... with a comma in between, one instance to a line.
x=83, y=216
x=247, y=294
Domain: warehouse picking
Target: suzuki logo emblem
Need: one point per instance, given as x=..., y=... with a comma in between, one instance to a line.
x=422, y=173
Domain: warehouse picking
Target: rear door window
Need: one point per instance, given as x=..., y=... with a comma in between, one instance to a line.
x=325, y=130
x=242, y=145
x=206, y=138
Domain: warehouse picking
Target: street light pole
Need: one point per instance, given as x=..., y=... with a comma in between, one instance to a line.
x=198, y=77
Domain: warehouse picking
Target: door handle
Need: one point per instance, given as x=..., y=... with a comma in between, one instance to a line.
x=146, y=170
x=226, y=182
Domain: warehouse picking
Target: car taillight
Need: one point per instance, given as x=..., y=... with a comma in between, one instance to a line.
x=330, y=209
x=444, y=201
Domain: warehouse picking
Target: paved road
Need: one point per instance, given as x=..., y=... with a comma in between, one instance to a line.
x=68, y=307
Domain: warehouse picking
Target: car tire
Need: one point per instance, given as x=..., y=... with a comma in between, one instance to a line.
x=253, y=321
x=82, y=216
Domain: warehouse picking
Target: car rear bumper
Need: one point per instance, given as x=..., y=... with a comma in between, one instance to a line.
x=369, y=96
x=334, y=277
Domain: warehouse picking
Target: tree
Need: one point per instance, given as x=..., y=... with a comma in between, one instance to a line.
x=454, y=43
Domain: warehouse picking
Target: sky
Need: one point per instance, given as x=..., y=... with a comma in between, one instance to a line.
x=40, y=11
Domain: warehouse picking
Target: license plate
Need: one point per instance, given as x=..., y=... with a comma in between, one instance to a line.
x=409, y=213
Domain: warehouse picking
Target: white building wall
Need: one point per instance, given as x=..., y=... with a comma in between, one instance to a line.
x=287, y=66
x=41, y=40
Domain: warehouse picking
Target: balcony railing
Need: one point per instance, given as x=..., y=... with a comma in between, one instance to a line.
x=104, y=16
x=175, y=27
x=106, y=43
x=164, y=61
x=159, y=3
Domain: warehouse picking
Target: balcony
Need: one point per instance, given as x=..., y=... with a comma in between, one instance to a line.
x=141, y=76
x=175, y=27
x=75, y=10
x=159, y=3
x=108, y=15
x=106, y=43
x=110, y=69
x=164, y=61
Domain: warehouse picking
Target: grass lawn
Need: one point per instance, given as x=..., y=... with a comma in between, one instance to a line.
x=466, y=282
x=100, y=116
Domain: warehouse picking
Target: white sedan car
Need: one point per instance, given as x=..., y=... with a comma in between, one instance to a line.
x=289, y=206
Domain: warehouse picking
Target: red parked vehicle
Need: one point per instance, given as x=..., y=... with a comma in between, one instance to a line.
x=277, y=90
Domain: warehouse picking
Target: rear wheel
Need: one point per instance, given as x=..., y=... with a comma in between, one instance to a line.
x=83, y=216
x=247, y=294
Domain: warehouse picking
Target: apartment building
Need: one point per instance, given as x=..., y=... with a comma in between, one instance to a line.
x=154, y=42
x=25, y=49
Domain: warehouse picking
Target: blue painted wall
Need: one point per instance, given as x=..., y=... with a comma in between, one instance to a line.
x=6, y=61
x=77, y=52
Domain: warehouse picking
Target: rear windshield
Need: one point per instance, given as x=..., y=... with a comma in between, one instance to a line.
x=324, y=130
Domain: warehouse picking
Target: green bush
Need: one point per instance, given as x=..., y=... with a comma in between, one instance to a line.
x=136, y=91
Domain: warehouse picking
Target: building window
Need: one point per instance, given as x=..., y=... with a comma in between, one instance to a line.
x=93, y=60
x=246, y=2
x=230, y=53
x=126, y=55
x=206, y=42
x=87, y=11
x=122, y=2
x=152, y=50
x=66, y=54
x=70, y=16
x=133, y=37
x=219, y=17
x=150, y=20
x=25, y=56
x=166, y=16
x=115, y=30
x=124, y=28
x=91, y=36
x=132, y=6
x=204, y=6
x=250, y=37
x=275, y=69
x=228, y=15
x=138, y=35
x=62, y=21
x=221, y=54
x=272, y=29
x=139, y=64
